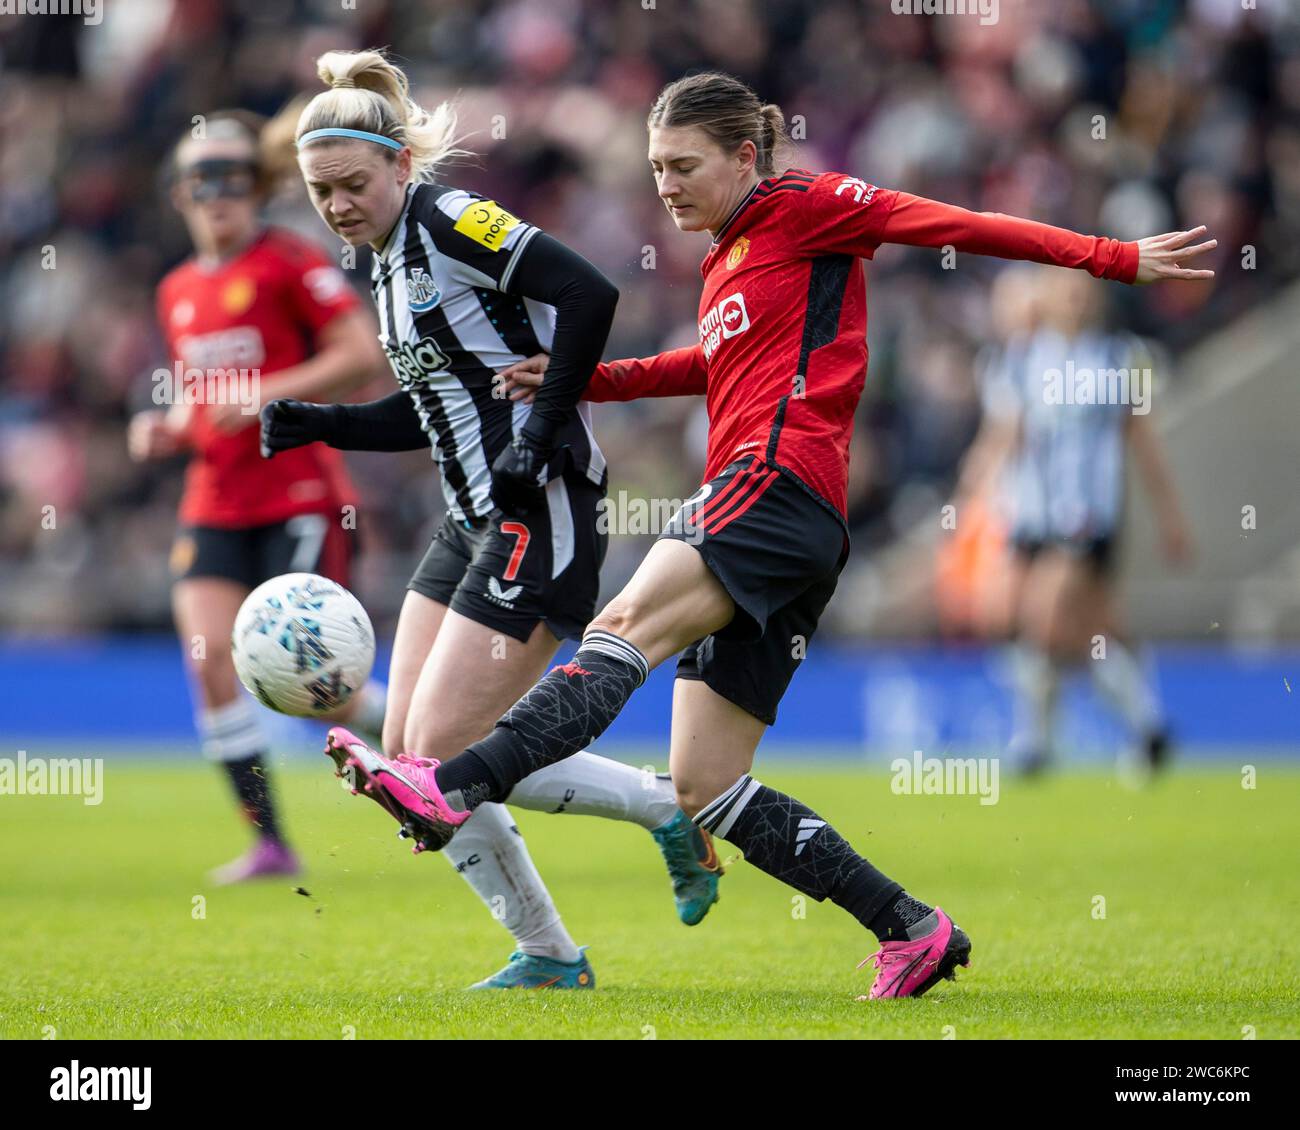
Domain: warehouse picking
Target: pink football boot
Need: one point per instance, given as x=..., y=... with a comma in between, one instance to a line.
x=404, y=785
x=266, y=859
x=911, y=969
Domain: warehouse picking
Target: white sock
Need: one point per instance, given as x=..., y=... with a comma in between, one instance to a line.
x=587, y=784
x=1122, y=682
x=232, y=732
x=492, y=856
x=1038, y=683
x=368, y=714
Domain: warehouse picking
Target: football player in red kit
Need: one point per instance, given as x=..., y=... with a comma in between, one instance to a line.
x=738, y=580
x=257, y=312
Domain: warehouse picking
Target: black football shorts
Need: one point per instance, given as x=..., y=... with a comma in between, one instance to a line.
x=509, y=574
x=1100, y=552
x=778, y=550
x=305, y=543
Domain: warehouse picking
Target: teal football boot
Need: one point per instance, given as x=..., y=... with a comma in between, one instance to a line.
x=692, y=865
x=525, y=971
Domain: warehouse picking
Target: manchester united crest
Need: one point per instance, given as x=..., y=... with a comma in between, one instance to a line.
x=238, y=296
x=738, y=251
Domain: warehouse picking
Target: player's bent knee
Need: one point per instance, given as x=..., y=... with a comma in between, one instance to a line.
x=619, y=617
x=690, y=803
x=693, y=796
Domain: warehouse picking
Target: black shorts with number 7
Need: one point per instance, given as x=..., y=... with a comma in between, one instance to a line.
x=510, y=574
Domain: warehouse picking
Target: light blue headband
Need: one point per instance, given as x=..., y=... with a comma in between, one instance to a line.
x=377, y=138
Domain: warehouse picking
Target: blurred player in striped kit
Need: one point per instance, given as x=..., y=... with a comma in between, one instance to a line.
x=1067, y=403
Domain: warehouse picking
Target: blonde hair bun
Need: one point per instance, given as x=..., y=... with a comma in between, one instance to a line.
x=369, y=92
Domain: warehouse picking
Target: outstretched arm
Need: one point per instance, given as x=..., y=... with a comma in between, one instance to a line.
x=929, y=223
x=846, y=215
x=676, y=372
x=919, y=222
x=389, y=424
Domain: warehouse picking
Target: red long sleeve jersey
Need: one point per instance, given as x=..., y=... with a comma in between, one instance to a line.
x=782, y=356
x=261, y=310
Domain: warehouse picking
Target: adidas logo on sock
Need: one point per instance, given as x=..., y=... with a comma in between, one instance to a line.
x=807, y=829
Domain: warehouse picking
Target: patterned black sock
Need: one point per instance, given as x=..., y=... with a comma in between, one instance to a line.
x=253, y=791
x=568, y=709
x=905, y=917
x=792, y=843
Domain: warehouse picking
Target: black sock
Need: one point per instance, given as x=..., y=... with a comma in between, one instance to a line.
x=568, y=709
x=897, y=920
x=792, y=843
x=253, y=791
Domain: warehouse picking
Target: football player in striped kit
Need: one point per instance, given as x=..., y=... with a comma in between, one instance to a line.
x=464, y=289
x=738, y=580
x=1067, y=403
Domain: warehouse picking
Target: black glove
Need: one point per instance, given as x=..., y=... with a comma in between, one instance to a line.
x=517, y=476
x=287, y=424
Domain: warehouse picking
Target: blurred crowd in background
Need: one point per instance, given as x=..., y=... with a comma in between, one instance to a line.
x=1116, y=117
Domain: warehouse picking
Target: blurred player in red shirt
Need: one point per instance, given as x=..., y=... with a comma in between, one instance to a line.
x=276, y=317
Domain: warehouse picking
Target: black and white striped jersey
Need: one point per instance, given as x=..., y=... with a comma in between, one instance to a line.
x=1071, y=399
x=449, y=323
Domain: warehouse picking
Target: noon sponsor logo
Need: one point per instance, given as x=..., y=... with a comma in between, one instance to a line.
x=486, y=222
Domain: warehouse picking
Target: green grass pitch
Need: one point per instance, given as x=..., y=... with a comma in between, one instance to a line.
x=100, y=935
